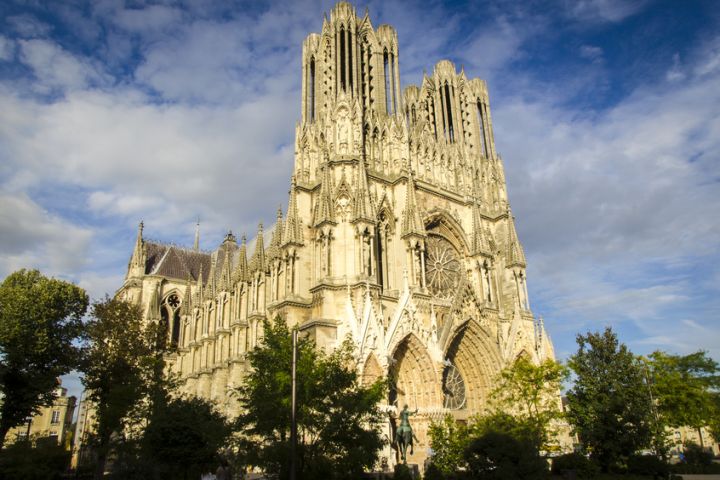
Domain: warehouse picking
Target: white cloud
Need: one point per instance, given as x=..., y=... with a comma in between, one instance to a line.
x=591, y=52
x=604, y=10
x=150, y=18
x=675, y=73
x=7, y=48
x=28, y=26
x=55, y=68
x=34, y=238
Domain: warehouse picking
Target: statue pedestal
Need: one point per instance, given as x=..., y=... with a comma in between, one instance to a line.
x=414, y=470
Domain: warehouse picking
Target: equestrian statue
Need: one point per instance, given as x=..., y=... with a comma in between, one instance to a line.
x=404, y=434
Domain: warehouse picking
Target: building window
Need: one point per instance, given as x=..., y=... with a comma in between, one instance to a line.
x=55, y=416
x=170, y=316
x=312, y=89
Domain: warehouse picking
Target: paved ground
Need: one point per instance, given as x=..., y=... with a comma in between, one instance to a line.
x=700, y=477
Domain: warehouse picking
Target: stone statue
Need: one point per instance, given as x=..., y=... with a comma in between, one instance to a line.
x=404, y=433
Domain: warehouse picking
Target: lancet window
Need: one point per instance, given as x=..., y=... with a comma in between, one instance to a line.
x=170, y=317
x=388, y=82
x=311, y=89
x=481, y=123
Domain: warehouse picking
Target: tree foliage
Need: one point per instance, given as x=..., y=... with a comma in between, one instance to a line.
x=182, y=440
x=118, y=364
x=338, y=419
x=531, y=393
x=684, y=388
x=500, y=456
x=448, y=440
x=525, y=402
x=609, y=402
x=40, y=319
x=34, y=459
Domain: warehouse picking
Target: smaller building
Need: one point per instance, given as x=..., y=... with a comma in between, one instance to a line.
x=679, y=437
x=85, y=426
x=52, y=421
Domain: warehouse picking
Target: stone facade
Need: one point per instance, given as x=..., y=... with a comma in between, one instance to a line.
x=398, y=234
x=52, y=421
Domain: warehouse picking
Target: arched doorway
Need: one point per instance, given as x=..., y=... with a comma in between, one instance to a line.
x=472, y=361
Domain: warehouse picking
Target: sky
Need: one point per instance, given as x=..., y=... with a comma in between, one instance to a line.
x=606, y=114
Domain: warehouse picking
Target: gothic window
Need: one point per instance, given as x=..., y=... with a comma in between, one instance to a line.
x=382, y=242
x=342, y=58
x=453, y=387
x=170, y=316
x=311, y=89
x=481, y=123
x=486, y=280
x=443, y=267
x=388, y=80
x=349, y=73
x=448, y=106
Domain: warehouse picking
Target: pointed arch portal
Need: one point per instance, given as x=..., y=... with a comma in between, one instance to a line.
x=413, y=380
x=473, y=355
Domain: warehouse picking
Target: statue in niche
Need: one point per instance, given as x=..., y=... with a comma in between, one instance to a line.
x=343, y=129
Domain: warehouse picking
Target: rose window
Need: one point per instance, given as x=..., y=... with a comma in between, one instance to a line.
x=442, y=266
x=453, y=388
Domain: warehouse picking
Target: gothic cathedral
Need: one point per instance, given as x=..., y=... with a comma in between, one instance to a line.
x=397, y=234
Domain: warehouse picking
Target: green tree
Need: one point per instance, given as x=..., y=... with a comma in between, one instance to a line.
x=608, y=404
x=531, y=393
x=714, y=423
x=34, y=459
x=500, y=456
x=338, y=418
x=119, y=363
x=40, y=319
x=684, y=388
x=181, y=440
x=448, y=440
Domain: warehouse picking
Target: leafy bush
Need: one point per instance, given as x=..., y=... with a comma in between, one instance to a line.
x=574, y=462
x=433, y=473
x=696, y=455
x=402, y=472
x=648, y=465
x=45, y=460
x=499, y=456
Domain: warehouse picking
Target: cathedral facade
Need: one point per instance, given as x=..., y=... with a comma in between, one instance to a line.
x=397, y=234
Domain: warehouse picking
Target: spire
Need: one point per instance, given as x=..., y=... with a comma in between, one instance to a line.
x=276, y=240
x=324, y=212
x=293, y=226
x=411, y=223
x=241, y=268
x=139, y=256
x=212, y=279
x=199, y=294
x=514, y=254
x=363, y=208
x=480, y=242
x=226, y=274
x=196, y=244
x=187, y=298
x=257, y=262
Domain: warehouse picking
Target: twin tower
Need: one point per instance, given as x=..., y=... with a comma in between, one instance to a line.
x=397, y=234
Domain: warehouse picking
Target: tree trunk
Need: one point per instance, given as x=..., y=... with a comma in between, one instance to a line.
x=102, y=452
x=702, y=443
x=3, y=432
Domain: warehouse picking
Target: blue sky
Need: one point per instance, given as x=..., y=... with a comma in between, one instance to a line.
x=606, y=113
